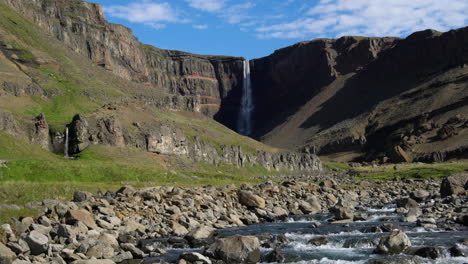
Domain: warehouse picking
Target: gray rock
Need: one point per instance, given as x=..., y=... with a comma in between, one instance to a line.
x=342, y=213
x=454, y=184
x=122, y=256
x=236, y=249
x=394, y=243
x=136, y=252
x=251, y=200
x=37, y=242
x=6, y=255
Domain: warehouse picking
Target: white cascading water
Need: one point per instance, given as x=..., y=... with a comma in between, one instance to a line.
x=65, y=149
x=244, y=123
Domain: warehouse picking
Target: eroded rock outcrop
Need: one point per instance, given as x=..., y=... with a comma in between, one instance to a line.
x=162, y=138
x=207, y=84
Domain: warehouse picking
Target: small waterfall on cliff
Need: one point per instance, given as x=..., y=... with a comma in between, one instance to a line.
x=244, y=123
x=65, y=148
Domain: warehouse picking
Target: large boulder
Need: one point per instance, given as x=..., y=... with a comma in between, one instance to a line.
x=406, y=203
x=394, y=243
x=251, y=200
x=83, y=216
x=37, y=242
x=454, y=184
x=236, y=249
x=342, y=213
x=6, y=255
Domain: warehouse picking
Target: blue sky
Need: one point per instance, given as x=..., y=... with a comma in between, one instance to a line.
x=254, y=29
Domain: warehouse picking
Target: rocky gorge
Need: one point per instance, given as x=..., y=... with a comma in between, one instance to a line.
x=147, y=225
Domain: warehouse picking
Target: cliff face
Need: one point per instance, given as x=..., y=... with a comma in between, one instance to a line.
x=296, y=73
x=366, y=97
x=207, y=84
x=108, y=127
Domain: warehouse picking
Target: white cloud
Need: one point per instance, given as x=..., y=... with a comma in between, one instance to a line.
x=236, y=14
x=371, y=18
x=200, y=26
x=207, y=5
x=145, y=11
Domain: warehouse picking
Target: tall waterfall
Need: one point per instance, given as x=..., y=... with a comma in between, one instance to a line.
x=65, y=149
x=244, y=124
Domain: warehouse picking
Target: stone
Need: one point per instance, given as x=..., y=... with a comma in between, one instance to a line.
x=251, y=200
x=428, y=252
x=276, y=256
x=93, y=261
x=456, y=251
x=420, y=195
x=279, y=211
x=80, y=196
x=406, y=203
x=318, y=241
x=122, y=257
x=342, y=213
x=100, y=251
x=37, y=242
x=178, y=229
x=74, y=216
x=394, y=243
x=136, y=252
x=454, y=184
x=194, y=257
x=201, y=232
x=6, y=255
x=236, y=249
x=126, y=190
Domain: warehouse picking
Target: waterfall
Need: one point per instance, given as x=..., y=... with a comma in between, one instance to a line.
x=65, y=149
x=244, y=123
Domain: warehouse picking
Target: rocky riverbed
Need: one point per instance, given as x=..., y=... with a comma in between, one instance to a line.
x=285, y=222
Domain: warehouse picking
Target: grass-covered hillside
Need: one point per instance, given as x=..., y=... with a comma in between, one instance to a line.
x=38, y=74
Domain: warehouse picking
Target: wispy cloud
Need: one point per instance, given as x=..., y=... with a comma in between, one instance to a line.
x=144, y=12
x=207, y=5
x=204, y=26
x=370, y=18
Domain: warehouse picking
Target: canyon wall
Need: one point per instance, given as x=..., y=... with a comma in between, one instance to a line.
x=211, y=85
x=369, y=98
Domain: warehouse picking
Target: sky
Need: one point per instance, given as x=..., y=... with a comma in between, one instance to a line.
x=256, y=28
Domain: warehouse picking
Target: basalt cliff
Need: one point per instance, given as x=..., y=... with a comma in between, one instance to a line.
x=373, y=99
x=353, y=98
x=71, y=81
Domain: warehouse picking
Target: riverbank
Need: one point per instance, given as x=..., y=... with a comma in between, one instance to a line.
x=111, y=225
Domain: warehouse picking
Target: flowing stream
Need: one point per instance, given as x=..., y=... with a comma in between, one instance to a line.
x=347, y=243
x=244, y=124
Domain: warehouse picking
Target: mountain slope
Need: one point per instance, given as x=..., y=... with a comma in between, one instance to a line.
x=367, y=98
x=47, y=87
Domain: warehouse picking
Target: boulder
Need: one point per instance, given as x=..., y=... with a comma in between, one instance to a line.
x=342, y=213
x=178, y=229
x=394, y=243
x=454, y=184
x=6, y=255
x=420, y=195
x=251, y=200
x=406, y=203
x=276, y=256
x=318, y=241
x=80, y=196
x=428, y=252
x=83, y=216
x=200, y=233
x=236, y=249
x=37, y=242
